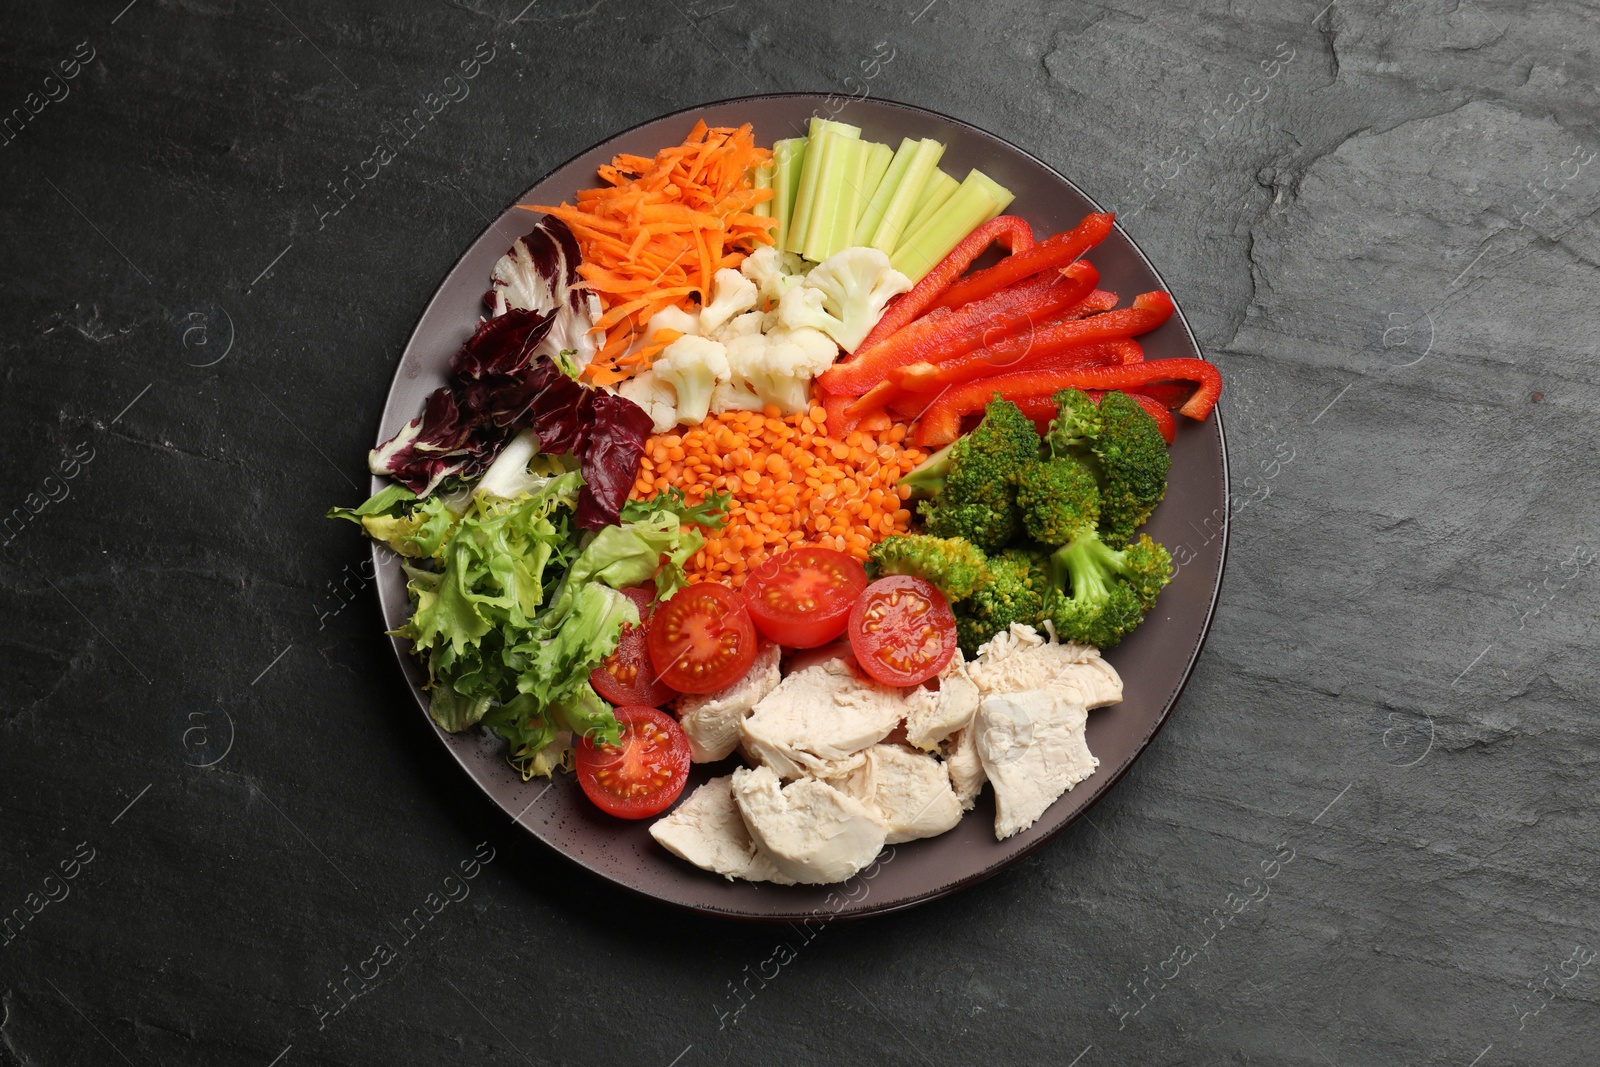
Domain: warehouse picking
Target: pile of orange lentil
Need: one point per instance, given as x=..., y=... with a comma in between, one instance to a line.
x=790, y=484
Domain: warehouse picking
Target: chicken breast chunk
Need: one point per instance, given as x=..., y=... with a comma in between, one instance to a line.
x=711, y=721
x=1032, y=748
x=965, y=769
x=910, y=791
x=1021, y=659
x=708, y=831
x=814, y=833
x=817, y=717
x=934, y=714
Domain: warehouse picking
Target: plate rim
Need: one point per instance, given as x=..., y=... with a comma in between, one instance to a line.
x=377, y=482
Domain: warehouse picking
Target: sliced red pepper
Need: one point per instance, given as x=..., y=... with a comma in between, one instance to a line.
x=912, y=405
x=1008, y=230
x=1170, y=395
x=941, y=423
x=1042, y=410
x=1057, y=251
x=1096, y=302
x=1149, y=312
x=930, y=377
x=840, y=420
x=1008, y=313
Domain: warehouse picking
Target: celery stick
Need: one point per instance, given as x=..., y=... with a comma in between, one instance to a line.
x=973, y=202
x=853, y=197
x=872, y=216
x=903, y=201
x=762, y=179
x=805, y=189
x=941, y=187
x=879, y=156
x=787, y=159
x=838, y=163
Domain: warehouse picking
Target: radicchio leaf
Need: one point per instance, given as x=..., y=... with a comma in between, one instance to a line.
x=540, y=273
x=611, y=460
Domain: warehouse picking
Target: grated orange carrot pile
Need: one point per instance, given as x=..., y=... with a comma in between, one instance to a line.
x=658, y=231
x=791, y=485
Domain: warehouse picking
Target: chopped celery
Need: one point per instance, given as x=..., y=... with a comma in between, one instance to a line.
x=941, y=187
x=872, y=215
x=977, y=199
x=853, y=197
x=805, y=189
x=831, y=193
x=879, y=156
x=896, y=212
x=762, y=179
x=787, y=158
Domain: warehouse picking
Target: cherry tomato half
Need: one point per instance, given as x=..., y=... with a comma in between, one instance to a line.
x=802, y=598
x=644, y=773
x=902, y=630
x=702, y=639
x=627, y=676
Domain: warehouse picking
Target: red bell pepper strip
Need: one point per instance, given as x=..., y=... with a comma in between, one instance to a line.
x=1042, y=410
x=1057, y=251
x=1008, y=230
x=1170, y=395
x=941, y=423
x=943, y=333
x=1094, y=303
x=910, y=406
x=930, y=377
x=1149, y=311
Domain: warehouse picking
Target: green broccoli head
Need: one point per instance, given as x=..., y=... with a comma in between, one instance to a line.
x=950, y=563
x=1057, y=499
x=977, y=501
x=1111, y=590
x=1122, y=445
x=1016, y=591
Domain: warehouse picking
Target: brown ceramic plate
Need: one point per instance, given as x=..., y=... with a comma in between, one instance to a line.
x=1154, y=662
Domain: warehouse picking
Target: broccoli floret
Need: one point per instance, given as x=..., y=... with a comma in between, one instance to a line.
x=1122, y=445
x=978, y=502
x=1057, y=499
x=927, y=478
x=1016, y=591
x=950, y=563
x=1102, y=593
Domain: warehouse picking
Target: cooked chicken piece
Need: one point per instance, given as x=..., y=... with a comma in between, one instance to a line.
x=818, y=716
x=910, y=791
x=934, y=714
x=1033, y=750
x=711, y=720
x=1021, y=659
x=813, y=832
x=961, y=762
x=707, y=830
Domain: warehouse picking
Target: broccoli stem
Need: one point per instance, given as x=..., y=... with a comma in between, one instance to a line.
x=928, y=477
x=1088, y=564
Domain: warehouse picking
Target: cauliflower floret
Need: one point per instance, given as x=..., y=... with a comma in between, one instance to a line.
x=675, y=318
x=735, y=294
x=693, y=366
x=739, y=326
x=780, y=370
x=745, y=352
x=855, y=284
x=659, y=400
x=765, y=267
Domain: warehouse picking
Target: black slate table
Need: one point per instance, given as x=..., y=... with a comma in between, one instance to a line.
x=216, y=797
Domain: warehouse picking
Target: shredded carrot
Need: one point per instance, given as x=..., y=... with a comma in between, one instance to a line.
x=658, y=231
x=791, y=485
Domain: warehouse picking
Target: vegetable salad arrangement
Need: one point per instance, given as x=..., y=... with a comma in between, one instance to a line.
x=745, y=463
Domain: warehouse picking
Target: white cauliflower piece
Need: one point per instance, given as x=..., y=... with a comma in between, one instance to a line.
x=693, y=367
x=775, y=369
x=765, y=266
x=659, y=400
x=739, y=326
x=745, y=352
x=735, y=294
x=855, y=285
x=675, y=318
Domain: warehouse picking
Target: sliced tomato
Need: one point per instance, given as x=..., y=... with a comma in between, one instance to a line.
x=701, y=640
x=642, y=774
x=627, y=676
x=902, y=630
x=802, y=598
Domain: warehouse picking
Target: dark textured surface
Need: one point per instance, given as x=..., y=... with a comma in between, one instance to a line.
x=1389, y=247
